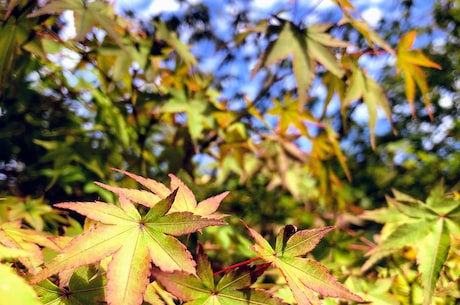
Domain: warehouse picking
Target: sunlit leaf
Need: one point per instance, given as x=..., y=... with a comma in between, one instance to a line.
x=30, y=210
x=14, y=289
x=305, y=277
x=185, y=200
x=289, y=114
x=428, y=228
x=29, y=241
x=133, y=240
x=431, y=256
x=409, y=61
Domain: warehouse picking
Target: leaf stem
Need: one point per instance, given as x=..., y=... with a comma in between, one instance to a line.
x=237, y=265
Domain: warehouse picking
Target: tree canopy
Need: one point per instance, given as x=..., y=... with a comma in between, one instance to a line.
x=308, y=114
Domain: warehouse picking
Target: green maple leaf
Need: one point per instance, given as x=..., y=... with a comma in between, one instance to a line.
x=232, y=288
x=14, y=289
x=372, y=37
x=171, y=38
x=86, y=286
x=87, y=14
x=290, y=115
x=198, y=110
x=429, y=227
x=362, y=86
x=305, y=277
x=307, y=46
x=133, y=240
x=376, y=292
x=16, y=36
x=33, y=211
x=409, y=62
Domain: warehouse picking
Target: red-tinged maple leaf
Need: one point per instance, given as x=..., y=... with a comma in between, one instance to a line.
x=233, y=288
x=305, y=277
x=185, y=200
x=133, y=240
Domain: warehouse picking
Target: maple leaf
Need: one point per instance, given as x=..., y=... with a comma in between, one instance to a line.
x=326, y=144
x=184, y=201
x=14, y=237
x=31, y=210
x=14, y=289
x=372, y=37
x=429, y=227
x=171, y=38
x=86, y=286
x=377, y=292
x=232, y=288
x=307, y=46
x=305, y=277
x=87, y=14
x=156, y=295
x=362, y=86
x=289, y=115
x=198, y=110
x=133, y=240
x=408, y=62
x=15, y=37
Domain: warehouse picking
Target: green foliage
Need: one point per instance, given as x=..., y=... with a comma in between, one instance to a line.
x=13, y=287
x=123, y=243
x=430, y=228
x=232, y=288
x=292, y=151
x=85, y=286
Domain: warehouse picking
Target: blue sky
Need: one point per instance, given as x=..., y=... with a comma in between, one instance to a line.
x=371, y=10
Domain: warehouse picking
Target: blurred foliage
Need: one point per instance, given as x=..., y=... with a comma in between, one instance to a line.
x=269, y=107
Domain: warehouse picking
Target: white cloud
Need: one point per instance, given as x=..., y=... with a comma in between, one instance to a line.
x=446, y=101
x=264, y=4
x=147, y=8
x=357, y=3
x=372, y=16
x=325, y=5
x=68, y=32
x=65, y=58
x=163, y=6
